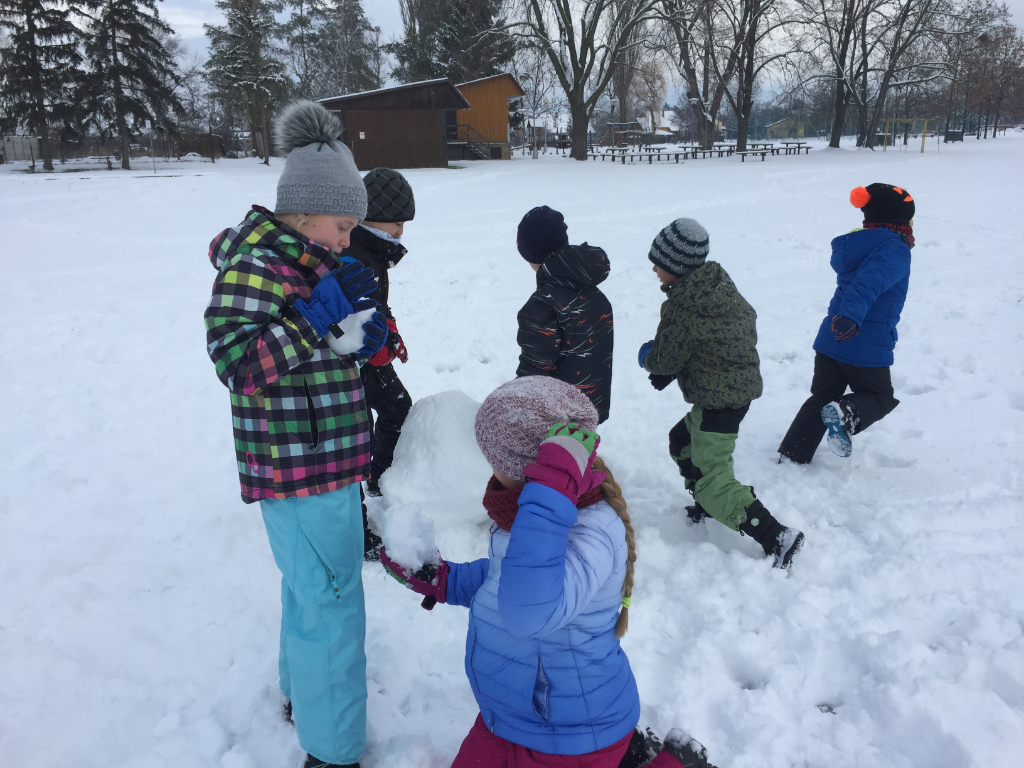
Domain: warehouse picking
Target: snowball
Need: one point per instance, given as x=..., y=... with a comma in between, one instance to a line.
x=352, y=338
x=408, y=536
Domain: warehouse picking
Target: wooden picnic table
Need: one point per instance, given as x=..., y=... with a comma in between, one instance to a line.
x=794, y=146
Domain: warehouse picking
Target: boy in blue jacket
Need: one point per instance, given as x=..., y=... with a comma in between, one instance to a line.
x=854, y=346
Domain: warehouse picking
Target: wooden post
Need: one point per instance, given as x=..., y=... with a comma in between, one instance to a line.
x=924, y=133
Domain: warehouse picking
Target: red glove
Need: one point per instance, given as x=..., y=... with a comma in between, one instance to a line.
x=565, y=462
x=396, y=343
x=393, y=347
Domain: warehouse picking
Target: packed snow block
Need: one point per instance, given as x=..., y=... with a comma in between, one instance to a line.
x=438, y=465
x=408, y=536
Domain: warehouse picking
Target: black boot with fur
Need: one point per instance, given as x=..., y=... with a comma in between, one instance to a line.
x=777, y=541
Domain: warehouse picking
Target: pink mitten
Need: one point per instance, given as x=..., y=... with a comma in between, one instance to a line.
x=564, y=461
x=430, y=580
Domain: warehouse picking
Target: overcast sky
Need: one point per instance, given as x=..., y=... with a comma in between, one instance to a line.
x=188, y=16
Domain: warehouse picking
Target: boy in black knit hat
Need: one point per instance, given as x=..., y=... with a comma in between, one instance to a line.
x=707, y=342
x=566, y=328
x=376, y=243
x=854, y=346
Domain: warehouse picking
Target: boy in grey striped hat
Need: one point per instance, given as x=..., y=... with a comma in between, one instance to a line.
x=707, y=342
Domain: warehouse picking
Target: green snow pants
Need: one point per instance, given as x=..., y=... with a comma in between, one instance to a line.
x=702, y=445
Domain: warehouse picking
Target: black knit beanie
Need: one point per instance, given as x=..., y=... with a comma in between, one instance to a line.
x=680, y=247
x=388, y=196
x=541, y=232
x=883, y=204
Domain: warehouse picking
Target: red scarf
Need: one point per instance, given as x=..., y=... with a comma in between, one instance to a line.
x=502, y=503
x=904, y=231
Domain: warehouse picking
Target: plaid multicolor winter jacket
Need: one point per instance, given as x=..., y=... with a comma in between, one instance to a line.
x=299, y=415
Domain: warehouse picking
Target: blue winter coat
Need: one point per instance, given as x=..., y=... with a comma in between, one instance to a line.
x=873, y=273
x=541, y=653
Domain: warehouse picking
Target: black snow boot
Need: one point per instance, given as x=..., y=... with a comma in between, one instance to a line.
x=687, y=750
x=371, y=541
x=643, y=747
x=373, y=483
x=313, y=762
x=777, y=541
x=696, y=513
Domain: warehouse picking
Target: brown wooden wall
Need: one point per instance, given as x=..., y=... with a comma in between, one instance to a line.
x=396, y=138
x=489, y=115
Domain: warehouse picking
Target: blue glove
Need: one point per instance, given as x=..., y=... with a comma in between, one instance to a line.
x=355, y=280
x=376, y=333
x=645, y=350
x=844, y=328
x=327, y=305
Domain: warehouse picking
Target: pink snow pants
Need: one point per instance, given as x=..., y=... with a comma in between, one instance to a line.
x=482, y=749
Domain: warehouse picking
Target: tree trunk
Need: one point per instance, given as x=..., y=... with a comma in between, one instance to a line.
x=840, y=117
x=580, y=120
x=266, y=133
x=125, y=141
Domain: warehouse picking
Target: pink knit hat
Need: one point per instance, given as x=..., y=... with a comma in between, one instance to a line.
x=515, y=417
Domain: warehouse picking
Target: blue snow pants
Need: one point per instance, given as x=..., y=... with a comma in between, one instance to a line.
x=318, y=546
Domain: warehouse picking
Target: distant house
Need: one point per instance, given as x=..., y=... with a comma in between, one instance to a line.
x=788, y=128
x=481, y=132
x=400, y=127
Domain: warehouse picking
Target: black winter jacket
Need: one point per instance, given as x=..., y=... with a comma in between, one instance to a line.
x=565, y=329
x=379, y=255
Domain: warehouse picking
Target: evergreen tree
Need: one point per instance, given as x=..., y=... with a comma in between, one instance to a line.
x=451, y=38
x=333, y=47
x=345, y=51
x=132, y=77
x=245, y=66
x=38, y=66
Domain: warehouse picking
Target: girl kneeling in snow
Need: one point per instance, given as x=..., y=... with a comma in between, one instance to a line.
x=550, y=602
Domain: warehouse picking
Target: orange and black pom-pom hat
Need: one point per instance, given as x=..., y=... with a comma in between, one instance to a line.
x=883, y=204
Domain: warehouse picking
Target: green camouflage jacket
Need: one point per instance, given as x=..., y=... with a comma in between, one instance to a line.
x=707, y=339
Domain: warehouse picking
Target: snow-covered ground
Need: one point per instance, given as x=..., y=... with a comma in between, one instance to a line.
x=138, y=597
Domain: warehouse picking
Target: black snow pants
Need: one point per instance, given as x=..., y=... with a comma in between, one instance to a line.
x=871, y=396
x=386, y=395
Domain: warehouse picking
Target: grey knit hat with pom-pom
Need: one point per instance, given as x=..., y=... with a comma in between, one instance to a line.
x=320, y=176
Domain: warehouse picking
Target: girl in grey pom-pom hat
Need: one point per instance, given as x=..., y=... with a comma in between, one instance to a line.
x=707, y=342
x=285, y=328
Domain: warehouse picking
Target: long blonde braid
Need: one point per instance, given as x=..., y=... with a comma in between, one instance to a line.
x=613, y=495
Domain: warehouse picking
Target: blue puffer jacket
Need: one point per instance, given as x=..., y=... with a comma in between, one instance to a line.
x=873, y=268
x=541, y=654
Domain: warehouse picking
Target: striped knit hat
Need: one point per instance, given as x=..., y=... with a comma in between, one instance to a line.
x=680, y=247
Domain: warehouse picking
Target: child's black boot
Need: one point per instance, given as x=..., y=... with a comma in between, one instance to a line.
x=643, y=747
x=696, y=513
x=371, y=541
x=841, y=420
x=777, y=541
x=687, y=750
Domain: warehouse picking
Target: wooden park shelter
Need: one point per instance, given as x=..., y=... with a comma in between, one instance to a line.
x=481, y=132
x=400, y=127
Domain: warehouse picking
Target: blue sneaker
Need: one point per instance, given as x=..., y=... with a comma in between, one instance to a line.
x=839, y=422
